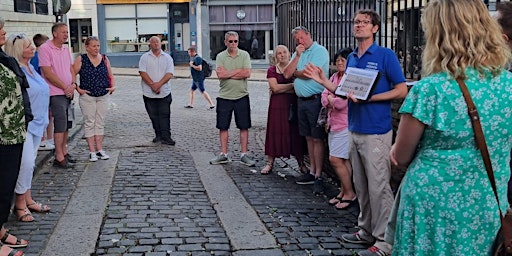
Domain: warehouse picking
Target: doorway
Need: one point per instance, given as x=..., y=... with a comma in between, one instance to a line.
x=179, y=32
x=79, y=30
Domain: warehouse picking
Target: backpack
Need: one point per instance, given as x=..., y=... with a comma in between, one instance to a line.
x=207, y=69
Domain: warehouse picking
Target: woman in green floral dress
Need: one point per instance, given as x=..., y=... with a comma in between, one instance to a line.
x=15, y=113
x=447, y=206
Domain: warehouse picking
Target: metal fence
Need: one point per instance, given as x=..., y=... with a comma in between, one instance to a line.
x=330, y=24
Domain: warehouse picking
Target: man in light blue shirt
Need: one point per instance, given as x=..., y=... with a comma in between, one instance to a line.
x=309, y=105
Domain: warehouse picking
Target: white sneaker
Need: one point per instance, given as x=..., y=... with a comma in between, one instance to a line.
x=93, y=157
x=101, y=154
x=45, y=145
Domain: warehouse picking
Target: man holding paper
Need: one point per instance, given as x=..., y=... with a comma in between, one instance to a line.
x=371, y=132
x=309, y=102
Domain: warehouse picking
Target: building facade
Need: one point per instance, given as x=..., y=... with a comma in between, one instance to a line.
x=27, y=17
x=254, y=21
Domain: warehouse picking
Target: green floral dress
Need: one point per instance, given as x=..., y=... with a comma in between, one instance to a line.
x=447, y=206
x=12, y=115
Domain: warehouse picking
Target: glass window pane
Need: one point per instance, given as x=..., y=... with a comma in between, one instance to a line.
x=123, y=29
x=119, y=11
x=152, y=10
x=152, y=26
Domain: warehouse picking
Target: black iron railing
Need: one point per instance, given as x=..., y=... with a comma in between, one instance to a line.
x=330, y=23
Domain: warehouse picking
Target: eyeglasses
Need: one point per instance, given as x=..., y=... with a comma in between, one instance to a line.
x=232, y=41
x=18, y=36
x=362, y=22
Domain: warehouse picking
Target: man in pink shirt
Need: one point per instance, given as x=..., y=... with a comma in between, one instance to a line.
x=56, y=65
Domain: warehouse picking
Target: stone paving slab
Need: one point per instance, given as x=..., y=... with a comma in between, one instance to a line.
x=242, y=224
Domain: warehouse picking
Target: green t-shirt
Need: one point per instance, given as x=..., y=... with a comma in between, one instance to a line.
x=233, y=89
x=12, y=111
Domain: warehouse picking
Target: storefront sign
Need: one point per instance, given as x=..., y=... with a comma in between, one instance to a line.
x=140, y=1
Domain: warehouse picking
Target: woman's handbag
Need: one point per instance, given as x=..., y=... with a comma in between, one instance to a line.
x=322, y=117
x=503, y=242
x=292, y=113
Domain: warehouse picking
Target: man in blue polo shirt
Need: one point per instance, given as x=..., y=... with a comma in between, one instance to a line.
x=309, y=104
x=369, y=123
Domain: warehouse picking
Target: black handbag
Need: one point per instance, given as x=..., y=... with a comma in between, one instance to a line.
x=503, y=242
x=292, y=113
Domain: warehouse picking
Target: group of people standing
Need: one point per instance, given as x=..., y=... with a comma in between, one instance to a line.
x=445, y=205
x=30, y=94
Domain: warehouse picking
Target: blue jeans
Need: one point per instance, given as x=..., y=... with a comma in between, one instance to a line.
x=159, y=111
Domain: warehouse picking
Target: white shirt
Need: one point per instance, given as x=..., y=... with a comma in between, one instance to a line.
x=156, y=67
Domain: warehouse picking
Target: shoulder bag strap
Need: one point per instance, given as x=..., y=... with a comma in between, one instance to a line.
x=479, y=137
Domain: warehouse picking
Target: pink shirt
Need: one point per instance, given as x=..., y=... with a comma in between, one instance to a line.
x=337, y=115
x=59, y=59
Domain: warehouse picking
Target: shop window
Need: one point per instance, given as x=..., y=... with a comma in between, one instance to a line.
x=129, y=27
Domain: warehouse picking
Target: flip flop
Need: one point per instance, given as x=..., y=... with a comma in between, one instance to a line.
x=38, y=207
x=350, y=203
x=337, y=198
x=17, y=244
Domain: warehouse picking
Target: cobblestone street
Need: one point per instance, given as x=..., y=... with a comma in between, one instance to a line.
x=159, y=203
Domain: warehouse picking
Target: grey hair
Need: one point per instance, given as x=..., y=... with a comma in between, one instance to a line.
x=300, y=28
x=230, y=33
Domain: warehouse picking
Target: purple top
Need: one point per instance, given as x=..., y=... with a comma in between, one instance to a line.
x=272, y=73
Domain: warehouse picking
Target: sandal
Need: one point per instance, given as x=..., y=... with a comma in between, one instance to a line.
x=344, y=201
x=335, y=200
x=268, y=168
x=38, y=207
x=15, y=252
x=26, y=215
x=18, y=244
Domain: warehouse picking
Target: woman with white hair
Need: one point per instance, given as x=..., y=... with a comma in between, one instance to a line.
x=22, y=49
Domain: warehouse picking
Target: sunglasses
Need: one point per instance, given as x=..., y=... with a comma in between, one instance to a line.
x=232, y=41
x=19, y=36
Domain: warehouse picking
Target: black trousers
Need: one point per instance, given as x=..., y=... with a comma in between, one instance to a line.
x=10, y=161
x=159, y=111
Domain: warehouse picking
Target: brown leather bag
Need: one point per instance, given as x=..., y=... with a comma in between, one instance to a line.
x=503, y=242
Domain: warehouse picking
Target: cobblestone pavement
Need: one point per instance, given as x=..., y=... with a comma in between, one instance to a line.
x=158, y=205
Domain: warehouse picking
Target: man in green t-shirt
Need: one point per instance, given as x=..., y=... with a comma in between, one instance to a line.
x=233, y=69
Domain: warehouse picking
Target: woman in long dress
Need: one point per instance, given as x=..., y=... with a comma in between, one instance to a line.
x=282, y=138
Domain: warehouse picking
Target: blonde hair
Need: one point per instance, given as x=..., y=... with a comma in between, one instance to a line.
x=461, y=34
x=275, y=60
x=15, y=45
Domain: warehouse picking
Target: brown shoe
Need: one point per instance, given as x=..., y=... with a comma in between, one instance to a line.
x=64, y=164
x=70, y=158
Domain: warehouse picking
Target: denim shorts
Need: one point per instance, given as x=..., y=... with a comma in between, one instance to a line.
x=197, y=84
x=242, y=109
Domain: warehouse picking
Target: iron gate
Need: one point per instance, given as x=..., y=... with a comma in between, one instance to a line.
x=330, y=24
